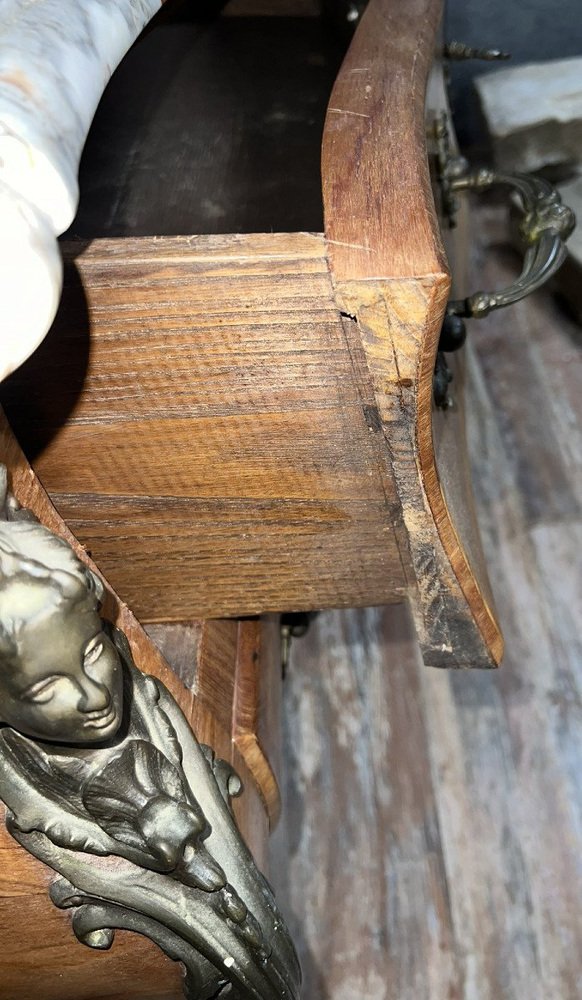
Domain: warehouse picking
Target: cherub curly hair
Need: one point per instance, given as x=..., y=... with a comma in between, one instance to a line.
x=38, y=573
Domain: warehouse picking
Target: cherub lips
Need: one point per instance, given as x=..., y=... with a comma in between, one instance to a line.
x=101, y=719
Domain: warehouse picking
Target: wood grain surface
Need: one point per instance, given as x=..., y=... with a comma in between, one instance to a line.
x=434, y=820
x=380, y=218
x=214, y=412
x=390, y=275
x=210, y=394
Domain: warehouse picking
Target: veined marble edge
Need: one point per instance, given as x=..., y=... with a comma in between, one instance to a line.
x=56, y=57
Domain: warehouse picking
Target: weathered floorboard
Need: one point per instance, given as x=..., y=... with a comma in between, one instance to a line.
x=435, y=819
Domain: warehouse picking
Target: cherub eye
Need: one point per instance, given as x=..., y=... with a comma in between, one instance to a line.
x=93, y=650
x=42, y=691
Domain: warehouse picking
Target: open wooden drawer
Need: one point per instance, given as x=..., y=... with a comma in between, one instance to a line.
x=237, y=424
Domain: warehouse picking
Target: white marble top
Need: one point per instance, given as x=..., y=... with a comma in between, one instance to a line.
x=56, y=57
x=521, y=96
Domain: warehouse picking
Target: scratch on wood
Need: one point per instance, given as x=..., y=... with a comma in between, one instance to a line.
x=340, y=111
x=414, y=61
x=354, y=246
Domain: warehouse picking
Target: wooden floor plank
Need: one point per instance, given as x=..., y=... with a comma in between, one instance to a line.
x=435, y=819
x=367, y=889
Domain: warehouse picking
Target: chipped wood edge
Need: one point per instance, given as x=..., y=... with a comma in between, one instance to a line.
x=399, y=322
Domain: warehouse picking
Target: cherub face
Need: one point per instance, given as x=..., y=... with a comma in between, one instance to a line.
x=67, y=684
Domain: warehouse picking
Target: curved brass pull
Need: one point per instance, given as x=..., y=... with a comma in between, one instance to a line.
x=545, y=227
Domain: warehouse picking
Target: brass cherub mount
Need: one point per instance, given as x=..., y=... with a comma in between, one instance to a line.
x=105, y=782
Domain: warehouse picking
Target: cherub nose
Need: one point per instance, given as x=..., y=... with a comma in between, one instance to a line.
x=94, y=697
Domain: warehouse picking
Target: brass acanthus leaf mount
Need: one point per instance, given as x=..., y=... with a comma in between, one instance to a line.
x=130, y=811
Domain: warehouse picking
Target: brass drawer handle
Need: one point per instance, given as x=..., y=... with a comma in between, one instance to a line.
x=545, y=227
